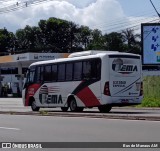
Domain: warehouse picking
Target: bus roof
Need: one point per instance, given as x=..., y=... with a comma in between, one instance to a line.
x=90, y=52
x=83, y=55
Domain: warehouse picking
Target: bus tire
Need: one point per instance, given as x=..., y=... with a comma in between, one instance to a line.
x=34, y=107
x=64, y=109
x=73, y=105
x=105, y=108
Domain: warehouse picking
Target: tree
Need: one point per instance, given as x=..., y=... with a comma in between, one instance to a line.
x=58, y=34
x=114, y=41
x=75, y=39
x=27, y=39
x=131, y=40
x=97, y=40
x=6, y=41
x=84, y=36
x=20, y=40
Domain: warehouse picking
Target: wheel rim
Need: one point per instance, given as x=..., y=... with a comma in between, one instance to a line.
x=34, y=105
x=73, y=105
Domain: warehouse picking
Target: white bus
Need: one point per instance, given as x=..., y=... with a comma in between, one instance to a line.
x=88, y=79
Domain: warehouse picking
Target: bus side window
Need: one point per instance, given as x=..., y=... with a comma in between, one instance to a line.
x=91, y=69
x=77, y=75
x=47, y=73
x=96, y=69
x=31, y=75
x=54, y=73
x=39, y=74
x=87, y=70
x=61, y=72
x=69, y=71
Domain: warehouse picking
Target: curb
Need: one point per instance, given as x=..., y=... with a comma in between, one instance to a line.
x=86, y=115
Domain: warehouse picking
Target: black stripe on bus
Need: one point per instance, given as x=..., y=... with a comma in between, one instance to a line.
x=83, y=85
x=124, y=56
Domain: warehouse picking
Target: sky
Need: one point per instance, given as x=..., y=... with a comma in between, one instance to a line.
x=105, y=15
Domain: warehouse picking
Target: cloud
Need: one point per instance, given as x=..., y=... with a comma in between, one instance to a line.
x=101, y=14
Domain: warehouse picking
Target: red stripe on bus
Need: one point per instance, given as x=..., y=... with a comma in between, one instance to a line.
x=32, y=89
x=88, y=97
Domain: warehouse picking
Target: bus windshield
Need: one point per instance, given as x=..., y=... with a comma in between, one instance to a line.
x=30, y=76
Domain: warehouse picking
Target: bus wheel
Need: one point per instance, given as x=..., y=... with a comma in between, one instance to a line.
x=64, y=109
x=34, y=107
x=105, y=108
x=73, y=105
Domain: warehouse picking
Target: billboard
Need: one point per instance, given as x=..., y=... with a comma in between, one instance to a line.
x=31, y=57
x=150, y=33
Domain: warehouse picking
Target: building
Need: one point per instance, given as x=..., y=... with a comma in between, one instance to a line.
x=14, y=67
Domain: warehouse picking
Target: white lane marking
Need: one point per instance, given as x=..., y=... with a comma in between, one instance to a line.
x=9, y=128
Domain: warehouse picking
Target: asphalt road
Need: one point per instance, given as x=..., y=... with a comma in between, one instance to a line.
x=15, y=106
x=22, y=128
x=76, y=127
x=71, y=129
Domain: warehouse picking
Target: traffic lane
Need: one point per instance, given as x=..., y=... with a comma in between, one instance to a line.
x=128, y=114
x=15, y=106
x=71, y=129
x=44, y=127
x=116, y=113
x=115, y=110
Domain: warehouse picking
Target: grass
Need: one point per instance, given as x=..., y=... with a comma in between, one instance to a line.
x=150, y=102
x=42, y=112
x=151, y=88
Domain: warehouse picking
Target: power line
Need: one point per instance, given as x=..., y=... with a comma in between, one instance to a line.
x=155, y=8
x=135, y=26
x=113, y=25
x=14, y=6
x=113, y=22
x=122, y=23
x=126, y=25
